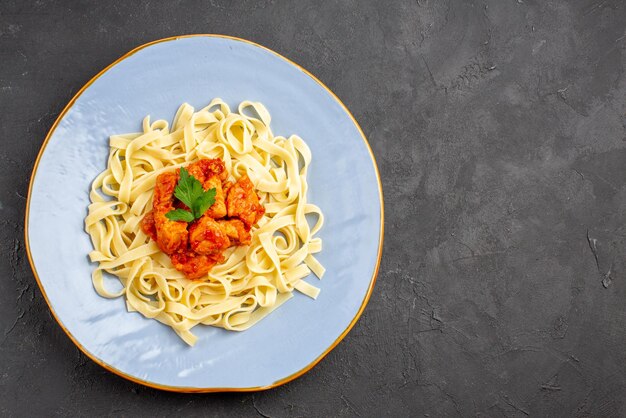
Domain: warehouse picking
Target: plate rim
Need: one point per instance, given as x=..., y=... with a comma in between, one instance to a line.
x=184, y=389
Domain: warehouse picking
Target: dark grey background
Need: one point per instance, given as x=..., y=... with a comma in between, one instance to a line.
x=499, y=127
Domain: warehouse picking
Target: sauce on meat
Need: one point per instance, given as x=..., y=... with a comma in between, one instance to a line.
x=196, y=247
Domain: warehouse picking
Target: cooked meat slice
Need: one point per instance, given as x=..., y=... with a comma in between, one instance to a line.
x=207, y=237
x=236, y=231
x=193, y=265
x=171, y=235
x=147, y=225
x=218, y=209
x=203, y=169
x=242, y=202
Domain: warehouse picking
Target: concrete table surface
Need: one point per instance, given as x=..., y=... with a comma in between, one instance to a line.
x=500, y=131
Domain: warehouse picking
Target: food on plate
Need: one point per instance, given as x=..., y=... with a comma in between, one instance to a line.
x=207, y=222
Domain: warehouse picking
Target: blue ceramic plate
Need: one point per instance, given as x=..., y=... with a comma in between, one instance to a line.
x=343, y=180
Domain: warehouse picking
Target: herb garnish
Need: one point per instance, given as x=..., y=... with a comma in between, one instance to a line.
x=189, y=190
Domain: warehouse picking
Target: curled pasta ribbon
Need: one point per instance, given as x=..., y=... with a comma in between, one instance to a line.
x=253, y=280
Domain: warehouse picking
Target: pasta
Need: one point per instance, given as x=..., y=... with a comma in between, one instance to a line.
x=254, y=279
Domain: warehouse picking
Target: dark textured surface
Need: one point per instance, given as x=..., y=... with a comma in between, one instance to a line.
x=500, y=132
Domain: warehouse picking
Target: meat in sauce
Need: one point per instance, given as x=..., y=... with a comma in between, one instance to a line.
x=196, y=247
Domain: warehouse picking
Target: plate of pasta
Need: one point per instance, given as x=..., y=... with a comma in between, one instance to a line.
x=205, y=215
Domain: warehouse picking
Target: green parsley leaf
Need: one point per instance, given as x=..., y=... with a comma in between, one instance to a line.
x=180, y=215
x=189, y=190
x=203, y=203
